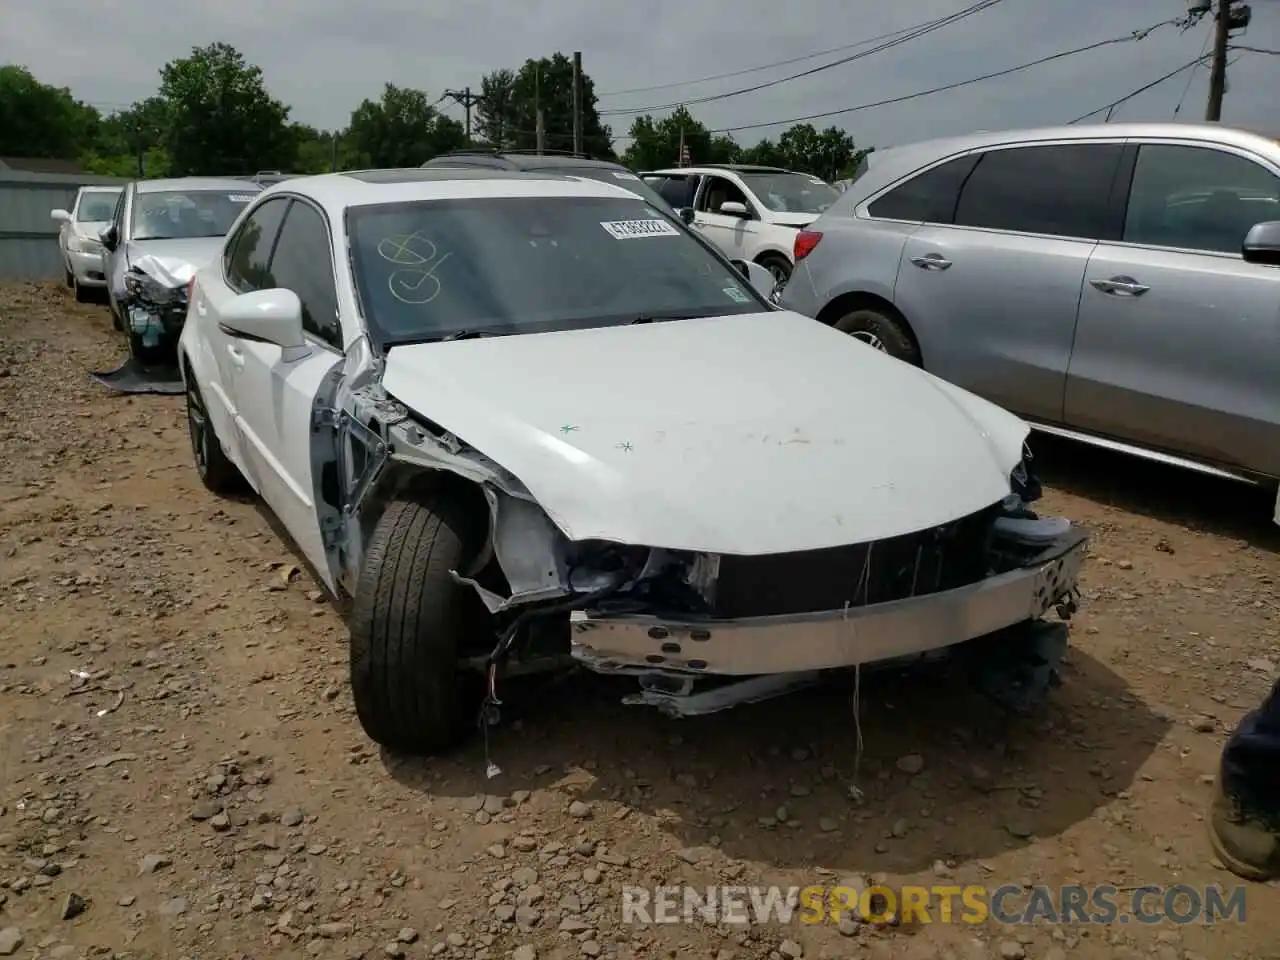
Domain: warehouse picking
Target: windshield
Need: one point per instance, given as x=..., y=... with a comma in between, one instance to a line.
x=96, y=207
x=791, y=192
x=429, y=269
x=619, y=178
x=186, y=214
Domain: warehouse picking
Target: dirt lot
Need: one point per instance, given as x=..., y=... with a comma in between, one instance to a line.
x=182, y=768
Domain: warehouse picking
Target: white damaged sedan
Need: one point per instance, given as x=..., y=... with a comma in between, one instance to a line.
x=519, y=419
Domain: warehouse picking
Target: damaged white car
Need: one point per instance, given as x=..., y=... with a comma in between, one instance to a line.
x=519, y=418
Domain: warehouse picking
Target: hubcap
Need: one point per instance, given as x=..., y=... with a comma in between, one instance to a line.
x=198, y=426
x=870, y=339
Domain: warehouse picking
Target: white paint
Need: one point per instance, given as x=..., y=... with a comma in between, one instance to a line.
x=750, y=434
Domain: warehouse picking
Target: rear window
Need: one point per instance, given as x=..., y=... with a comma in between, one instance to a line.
x=618, y=178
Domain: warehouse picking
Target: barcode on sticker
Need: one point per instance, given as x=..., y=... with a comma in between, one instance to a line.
x=241, y=197
x=631, y=229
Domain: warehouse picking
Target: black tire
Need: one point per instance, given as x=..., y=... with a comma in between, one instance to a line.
x=778, y=265
x=410, y=623
x=83, y=294
x=882, y=331
x=217, y=473
x=69, y=278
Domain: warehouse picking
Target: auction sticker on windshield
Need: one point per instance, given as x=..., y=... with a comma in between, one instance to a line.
x=241, y=197
x=631, y=229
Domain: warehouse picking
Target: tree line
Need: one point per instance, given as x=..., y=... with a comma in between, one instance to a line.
x=213, y=114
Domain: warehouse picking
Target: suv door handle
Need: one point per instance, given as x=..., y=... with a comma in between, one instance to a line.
x=236, y=355
x=931, y=261
x=1120, y=286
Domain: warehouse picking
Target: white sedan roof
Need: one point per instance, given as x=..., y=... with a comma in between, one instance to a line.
x=357, y=188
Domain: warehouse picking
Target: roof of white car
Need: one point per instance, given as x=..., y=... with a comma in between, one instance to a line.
x=197, y=183
x=357, y=188
x=721, y=168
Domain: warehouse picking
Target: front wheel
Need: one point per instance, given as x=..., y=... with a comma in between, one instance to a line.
x=69, y=278
x=216, y=470
x=885, y=333
x=410, y=623
x=82, y=293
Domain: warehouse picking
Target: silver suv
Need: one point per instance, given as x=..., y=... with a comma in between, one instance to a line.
x=1116, y=283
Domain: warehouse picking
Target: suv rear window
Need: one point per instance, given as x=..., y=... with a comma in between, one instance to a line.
x=930, y=197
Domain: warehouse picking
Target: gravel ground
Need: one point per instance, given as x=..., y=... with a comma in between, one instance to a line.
x=183, y=775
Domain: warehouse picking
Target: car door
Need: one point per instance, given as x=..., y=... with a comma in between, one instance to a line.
x=245, y=267
x=1178, y=342
x=732, y=235
x=996, y=285
x=275, y=399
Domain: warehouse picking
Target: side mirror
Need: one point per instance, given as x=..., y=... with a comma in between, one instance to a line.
x=60, y=215
x=761, y=279
x=732, y=208
x=109, y=236
x=1262, y=244
x=685, y=214
x=266, y=316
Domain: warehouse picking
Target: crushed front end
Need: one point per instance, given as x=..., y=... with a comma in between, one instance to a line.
x=155, y=310
x=747, y=628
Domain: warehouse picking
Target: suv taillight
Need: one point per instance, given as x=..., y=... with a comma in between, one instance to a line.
x=806, y=240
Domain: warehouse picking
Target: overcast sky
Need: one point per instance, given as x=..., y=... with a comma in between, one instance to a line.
x=324, y=56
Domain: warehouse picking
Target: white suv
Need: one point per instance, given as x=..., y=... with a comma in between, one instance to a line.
x=748, y=212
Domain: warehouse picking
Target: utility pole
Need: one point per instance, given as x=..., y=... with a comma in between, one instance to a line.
x=333, y=152
x=1218, y=70
x=466, y=99
x=577, y=102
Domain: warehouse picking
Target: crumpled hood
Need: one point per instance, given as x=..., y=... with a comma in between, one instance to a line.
x=753, y=434
x=196, y=251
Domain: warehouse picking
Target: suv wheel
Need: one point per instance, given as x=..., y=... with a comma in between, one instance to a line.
x=879, y=330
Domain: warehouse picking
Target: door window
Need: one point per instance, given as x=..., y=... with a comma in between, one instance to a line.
x=245, y=259
x=1198, y=198
x=930, y=197
x=1062, y=190
x=303, y=263
x=676, y=190
x=720, y=190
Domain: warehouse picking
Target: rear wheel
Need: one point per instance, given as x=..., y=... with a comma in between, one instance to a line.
x=216, y=471
x=777, y=265
x=878, y=329
x=412, y=620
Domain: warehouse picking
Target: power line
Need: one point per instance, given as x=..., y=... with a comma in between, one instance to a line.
x=1127, y=38
x=768, y=66
x=928, y=28
x=1241, y=46
x=1191, y=76
x=1142, y=89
